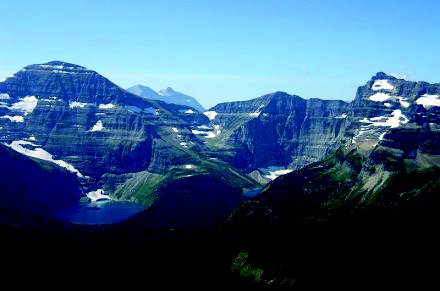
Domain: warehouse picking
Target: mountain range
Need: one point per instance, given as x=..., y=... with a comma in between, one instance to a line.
x=269, y=178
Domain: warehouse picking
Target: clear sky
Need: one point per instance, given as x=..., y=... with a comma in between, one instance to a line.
x=227, y=50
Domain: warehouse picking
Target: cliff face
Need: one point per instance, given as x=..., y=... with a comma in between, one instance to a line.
x=280, y=130
x=67, y=113
x=290, y=132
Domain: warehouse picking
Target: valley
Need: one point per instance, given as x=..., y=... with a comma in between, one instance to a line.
x=264, y=193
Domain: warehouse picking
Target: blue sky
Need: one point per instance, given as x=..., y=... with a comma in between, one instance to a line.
x=221, y=51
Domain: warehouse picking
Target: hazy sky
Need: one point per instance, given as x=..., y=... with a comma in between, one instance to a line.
x=221, y=51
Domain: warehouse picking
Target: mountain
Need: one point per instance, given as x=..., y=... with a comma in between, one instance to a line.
x=145, y=92
x=349, y=196
x=378, y=189
x=276, y=133
x=167, y=95
x=119, y=145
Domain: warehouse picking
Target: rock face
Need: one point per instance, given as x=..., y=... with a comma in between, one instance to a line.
x=386, y=102
x=167, y=95
x=69, y=114
x=76, y=118
x=280, y=130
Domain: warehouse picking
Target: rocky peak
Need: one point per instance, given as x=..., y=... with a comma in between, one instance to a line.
x=382, y=76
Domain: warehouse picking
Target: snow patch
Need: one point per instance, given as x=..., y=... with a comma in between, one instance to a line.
x=387, y=104
x=76, y=104
x=210, y=114
x=15, y=118
x=257, y=112
x=184, y=144
x=41, y=154
x=380, y=97
x=106, y=106
x=52, y=67
x=403, y=102
x=395, y=120
x=97, y=195
x=361, y=132
x=382, y=85
x=195, y=131
x=98, y=126
x=208, y=134
x=428, y=100
x=4, y=96
x=175, y=129
x=189, y=166
x=217, y=129
x=274, y=172
x=189, y=111
x=26, y=104
x=342, y=116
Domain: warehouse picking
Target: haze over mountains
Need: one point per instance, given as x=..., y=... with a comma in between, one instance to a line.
x=167, y=95
x=308, y=162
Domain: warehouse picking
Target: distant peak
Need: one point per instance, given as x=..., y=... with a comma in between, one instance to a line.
x=382, y=76
x=167, y=91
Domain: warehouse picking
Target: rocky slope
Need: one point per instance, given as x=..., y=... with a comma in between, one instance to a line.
x=33, y=188
x=78, y=119
x=167, y=95
x=378, y=189
x=276, y=132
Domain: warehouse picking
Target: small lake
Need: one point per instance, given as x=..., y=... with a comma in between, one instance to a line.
x=102, y=212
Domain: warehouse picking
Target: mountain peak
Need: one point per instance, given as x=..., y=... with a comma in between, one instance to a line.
x=383, y=76
x=56, y=65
